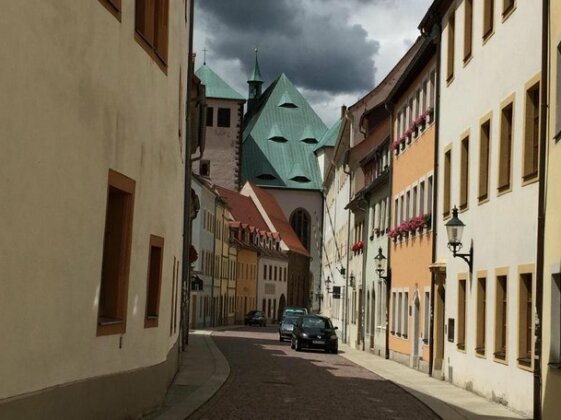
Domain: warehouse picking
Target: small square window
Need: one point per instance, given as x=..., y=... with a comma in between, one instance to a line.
x=223, y=117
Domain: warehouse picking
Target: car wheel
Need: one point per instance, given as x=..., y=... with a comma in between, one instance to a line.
x=335, y=350
x=281, y=339
x=298, y=345
x=292, y=344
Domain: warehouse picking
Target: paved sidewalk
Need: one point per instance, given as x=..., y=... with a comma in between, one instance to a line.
x=202, y=371
x=445, y=399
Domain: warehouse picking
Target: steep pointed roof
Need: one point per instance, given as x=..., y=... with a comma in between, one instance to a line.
x=268, y=203
x=329, y=139
x=242, y=208
x=256, y=74
x=215, y=86
x=293, y=122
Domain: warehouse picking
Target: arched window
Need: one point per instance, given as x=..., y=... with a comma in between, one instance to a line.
x=300, y=222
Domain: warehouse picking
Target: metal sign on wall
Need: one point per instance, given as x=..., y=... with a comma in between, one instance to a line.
x=336, y=292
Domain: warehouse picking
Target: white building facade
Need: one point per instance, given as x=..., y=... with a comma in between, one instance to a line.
x=490, y=69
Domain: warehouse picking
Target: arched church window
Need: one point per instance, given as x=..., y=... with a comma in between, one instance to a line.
x=300, y=222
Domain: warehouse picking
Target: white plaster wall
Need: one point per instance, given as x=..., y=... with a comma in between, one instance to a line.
x=335, y=219
x=503, y=229
x=203, y=240
x=312, y=202
x=81, y=96
x=279, y=285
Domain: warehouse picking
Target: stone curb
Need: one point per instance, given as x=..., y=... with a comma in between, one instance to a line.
x=205, y=392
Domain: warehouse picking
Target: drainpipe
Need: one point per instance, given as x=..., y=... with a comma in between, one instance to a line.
x=541, y=211
x=434, y=193
x=213, y=305
x=186, y=266
x=346, y=301
x=389, y=108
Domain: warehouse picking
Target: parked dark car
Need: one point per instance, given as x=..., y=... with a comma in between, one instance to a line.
x=314, y=332
x=294, y=311
x=286, y=326
x=255, y=318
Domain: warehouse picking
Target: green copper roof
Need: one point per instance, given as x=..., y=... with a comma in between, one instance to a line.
x=256, y=75
x=289, y=164
x=329, y=139
x=215, y=86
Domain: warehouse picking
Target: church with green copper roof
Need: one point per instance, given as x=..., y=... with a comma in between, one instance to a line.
x=281, y=132
x=280, y=135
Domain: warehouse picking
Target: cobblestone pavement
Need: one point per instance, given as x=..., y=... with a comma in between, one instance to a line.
x=269, y=380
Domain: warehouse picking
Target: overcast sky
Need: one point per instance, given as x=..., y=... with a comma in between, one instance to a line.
x=334, y=51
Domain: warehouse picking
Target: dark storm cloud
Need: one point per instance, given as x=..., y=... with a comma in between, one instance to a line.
x=315, y=46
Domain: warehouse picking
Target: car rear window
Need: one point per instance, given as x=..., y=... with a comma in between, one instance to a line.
x=295, y=312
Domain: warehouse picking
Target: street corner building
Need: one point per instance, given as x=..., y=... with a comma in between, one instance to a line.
x=92, y=153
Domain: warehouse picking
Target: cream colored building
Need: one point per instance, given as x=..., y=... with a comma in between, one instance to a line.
x=92, y=122
x=489, y=80
x=551, y=318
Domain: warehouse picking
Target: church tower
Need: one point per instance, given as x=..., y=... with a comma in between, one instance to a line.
x=255, y=82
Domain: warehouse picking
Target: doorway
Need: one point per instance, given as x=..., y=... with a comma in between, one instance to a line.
x=416, y=331
x=439, y=320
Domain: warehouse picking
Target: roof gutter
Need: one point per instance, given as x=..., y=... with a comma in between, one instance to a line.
x=541, y=211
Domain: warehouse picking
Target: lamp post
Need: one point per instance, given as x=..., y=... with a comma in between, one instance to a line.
x=328, y=284
x=454, y=230
x=352, y=280
x=380, y=261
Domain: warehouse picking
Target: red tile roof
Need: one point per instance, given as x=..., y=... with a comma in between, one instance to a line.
x=242, y=208
x=279, y=220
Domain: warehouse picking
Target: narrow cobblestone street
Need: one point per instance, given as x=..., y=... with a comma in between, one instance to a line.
x=269, y=380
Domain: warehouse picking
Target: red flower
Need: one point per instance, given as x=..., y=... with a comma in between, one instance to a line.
x=193, y=254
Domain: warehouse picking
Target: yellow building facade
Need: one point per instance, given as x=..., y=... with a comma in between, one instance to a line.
x=412, y=190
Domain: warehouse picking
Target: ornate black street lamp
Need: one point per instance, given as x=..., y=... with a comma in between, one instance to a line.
x=327, y=285
x=380, y=260
x=454, y=230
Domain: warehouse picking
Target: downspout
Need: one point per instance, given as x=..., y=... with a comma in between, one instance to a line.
x=434, y=195
x=346, y=301
x=364, y=239
x=186, y=266
x=213, y=305
x=541, y=211
x=388, y=106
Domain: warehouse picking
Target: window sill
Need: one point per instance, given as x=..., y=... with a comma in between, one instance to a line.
x=110, y=326
x=488, y=36
x=483, y=199
x=161, y=63
x=449, y=80
x=554, y=365
x=508, y=12
x=500, y=357
x=112, y=9
x=463, y=208
x=525, y=363
x=480, y=352
x=461, y=347
x=504, y=190
x=530, y=179
x=151, y=321
x=467, y=59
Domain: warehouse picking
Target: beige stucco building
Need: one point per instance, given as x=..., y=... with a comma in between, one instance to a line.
x=488, y=124
x=551, y=313
x=92, y=122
